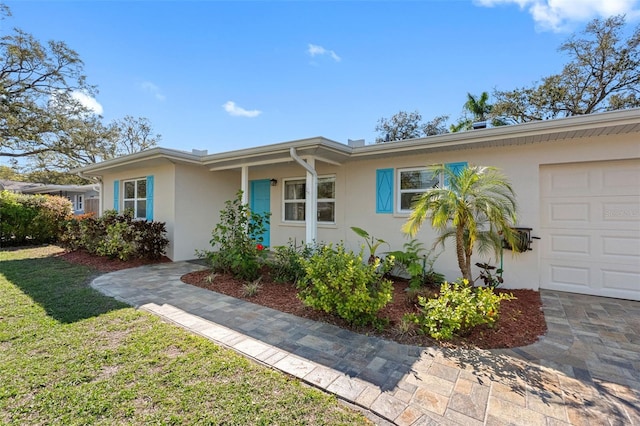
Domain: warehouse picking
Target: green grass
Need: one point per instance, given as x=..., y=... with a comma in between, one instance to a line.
x=69, y=355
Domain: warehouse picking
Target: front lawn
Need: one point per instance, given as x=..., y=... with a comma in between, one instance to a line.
x=69, y=355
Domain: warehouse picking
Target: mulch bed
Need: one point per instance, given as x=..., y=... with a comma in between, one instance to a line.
x=104, y=264
x=521, y=321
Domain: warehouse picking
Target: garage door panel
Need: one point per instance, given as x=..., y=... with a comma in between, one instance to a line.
x=590, y=179
x=572, y=245
x=623, y=179
x=601, y=212
x=621, y=212
x=622, y=246
x=610, y=246
x=620, y=280
x=572, y=274
x=590, y=228
x=623, y=281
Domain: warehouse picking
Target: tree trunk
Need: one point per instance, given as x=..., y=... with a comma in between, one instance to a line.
x=463, y=263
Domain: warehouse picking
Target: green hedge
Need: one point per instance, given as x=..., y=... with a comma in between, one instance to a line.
x=32, y=219
x=115, y=235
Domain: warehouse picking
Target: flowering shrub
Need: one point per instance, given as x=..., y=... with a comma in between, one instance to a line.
x=458, y=309
x=237, y=241
x=337, y=281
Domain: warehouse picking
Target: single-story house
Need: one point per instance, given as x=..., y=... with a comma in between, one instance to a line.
x=84, y=198
x=577, y=182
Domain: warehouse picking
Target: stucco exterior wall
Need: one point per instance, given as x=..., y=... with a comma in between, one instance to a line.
x=200, y=195
x=356, y=194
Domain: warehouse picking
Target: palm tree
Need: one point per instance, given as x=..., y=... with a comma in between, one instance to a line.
x=479, y=107
x=477, y=207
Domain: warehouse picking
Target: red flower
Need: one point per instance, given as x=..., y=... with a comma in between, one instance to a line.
x=260, y=247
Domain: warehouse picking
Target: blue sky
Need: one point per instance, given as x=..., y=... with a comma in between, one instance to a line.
x=228, y=75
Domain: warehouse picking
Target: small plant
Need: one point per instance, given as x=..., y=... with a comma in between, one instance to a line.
x=372, y=242
x=251, y=289
x=338, y=282
x=237, y=241
x=459, y=308
x=417, y=262
x=405, y=326
x=489, y=279
x=287, y=264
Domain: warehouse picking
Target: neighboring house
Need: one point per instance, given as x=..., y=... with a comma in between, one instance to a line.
x=84, y=198
x=577, y=182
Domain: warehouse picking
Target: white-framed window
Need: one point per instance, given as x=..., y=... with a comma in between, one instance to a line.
x=295, y=199
x=412, y=183
x=79, y=202
x=135, y=197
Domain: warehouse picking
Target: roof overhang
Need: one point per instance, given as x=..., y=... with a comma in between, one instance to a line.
x=332, y=152
x=319, y=148
x=50, y=189
x=149, y=158
x=607, y=123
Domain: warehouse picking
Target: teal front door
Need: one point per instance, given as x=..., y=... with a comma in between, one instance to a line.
x=260, y=202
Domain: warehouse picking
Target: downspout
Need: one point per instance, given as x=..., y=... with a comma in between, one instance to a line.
x=311, y=205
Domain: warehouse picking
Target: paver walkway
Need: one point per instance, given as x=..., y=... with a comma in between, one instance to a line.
x=584, y=371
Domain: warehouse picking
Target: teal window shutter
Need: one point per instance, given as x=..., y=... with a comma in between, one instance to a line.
x=116, y=195
x=149, y=198
x=456, y=169
x=384, y=191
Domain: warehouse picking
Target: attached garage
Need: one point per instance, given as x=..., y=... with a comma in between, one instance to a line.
x=590, y=228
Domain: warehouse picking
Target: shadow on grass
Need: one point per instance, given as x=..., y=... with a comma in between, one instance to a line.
x=61, y=288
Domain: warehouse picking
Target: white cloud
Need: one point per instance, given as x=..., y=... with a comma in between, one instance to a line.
x=315, y=50
x=149, y=87
x=237, y=111
x=555, y=15
x=88, y=102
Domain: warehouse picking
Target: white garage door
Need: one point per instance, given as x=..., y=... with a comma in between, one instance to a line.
x=590, y=228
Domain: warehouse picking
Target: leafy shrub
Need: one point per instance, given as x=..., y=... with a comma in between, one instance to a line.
x=238, y=240
x=458, y=309
x=118, y=241
x=338, y=282
x=287, y=265
x=417, y=262
x=32, y=219
x=116, y=235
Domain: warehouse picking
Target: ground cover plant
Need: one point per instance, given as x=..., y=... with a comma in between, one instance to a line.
x=69, y=355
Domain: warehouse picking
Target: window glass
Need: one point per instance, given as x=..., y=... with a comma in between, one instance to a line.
x=417, y=179
x=141, y=209
x=295, y=190
x=413, y=183
x=294, y=211
x=326, y=188
x=141, y=191
x=135, y=197
x=326, y=211
x=129, y=189
x=295, y=199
